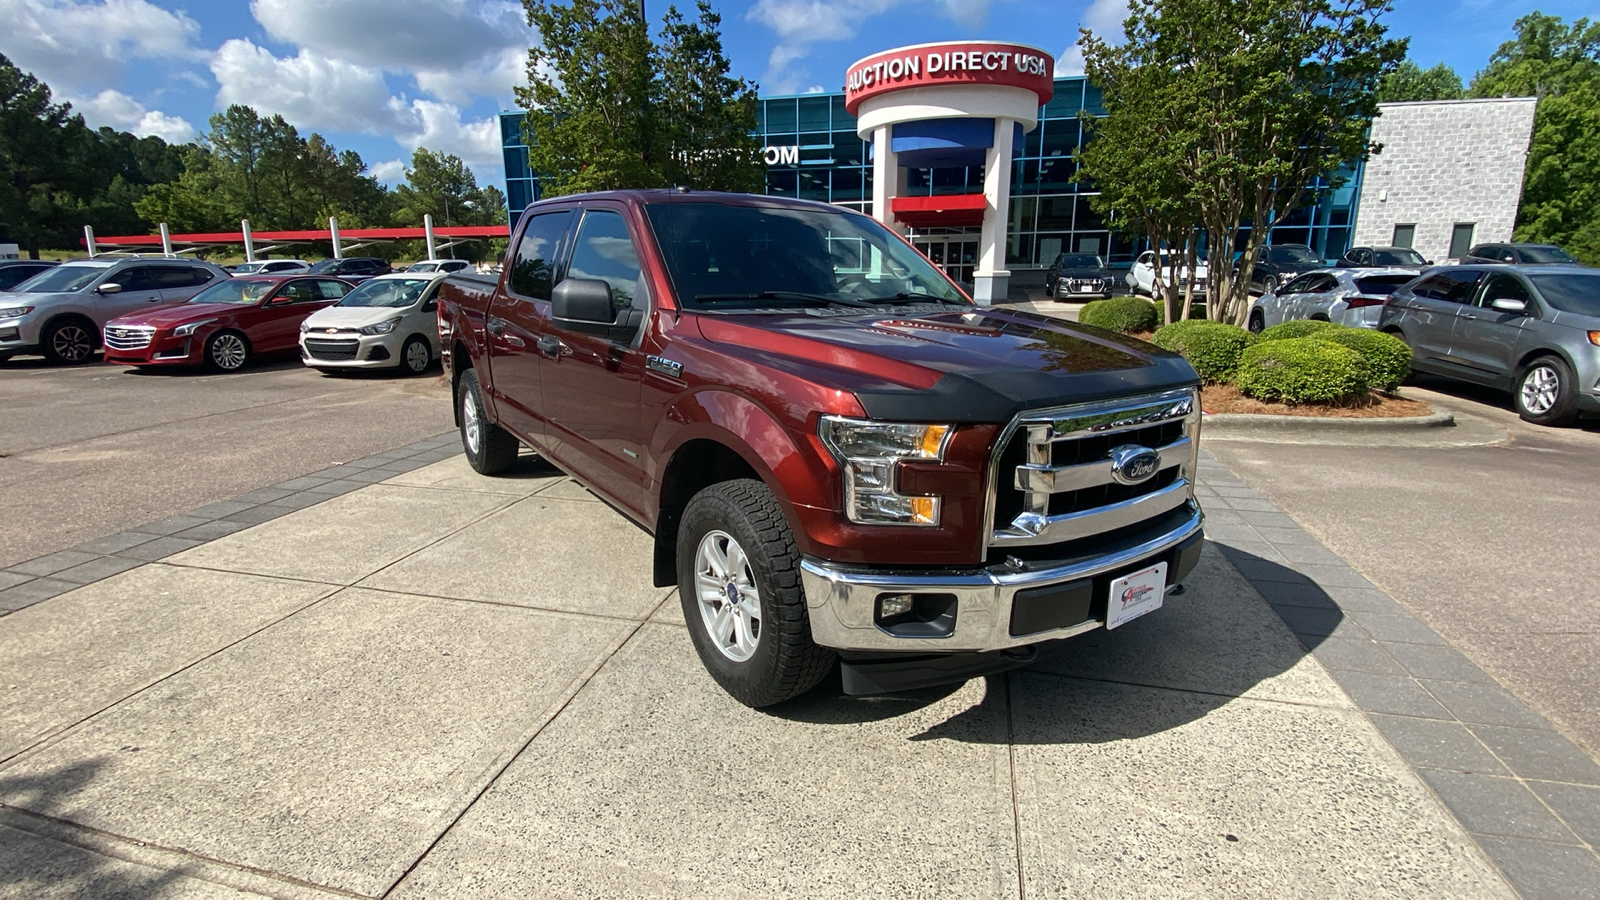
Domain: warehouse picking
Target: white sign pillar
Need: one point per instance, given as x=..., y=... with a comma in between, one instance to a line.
x=427, y=231
x=166, y=240
x=249, y=241
x=333, y=228
x=885, y=177
x=992, y=281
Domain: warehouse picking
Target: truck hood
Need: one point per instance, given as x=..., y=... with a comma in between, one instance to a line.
x=951, y=365
x=177, y=314
x=353, y=316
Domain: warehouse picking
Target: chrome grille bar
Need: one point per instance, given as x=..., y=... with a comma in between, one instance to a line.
x=129, y=337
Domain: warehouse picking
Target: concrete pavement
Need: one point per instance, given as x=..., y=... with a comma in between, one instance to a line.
x=437, y=684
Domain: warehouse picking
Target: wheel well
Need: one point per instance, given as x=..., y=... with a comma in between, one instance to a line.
x=62, y=318
x=459, y=363
x=1531, y=355
x=696, y=466
x=1319, y=317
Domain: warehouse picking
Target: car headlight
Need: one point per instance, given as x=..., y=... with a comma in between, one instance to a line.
x=186, y=330
x=382, y=327
x=869, y=453
x=12, y=312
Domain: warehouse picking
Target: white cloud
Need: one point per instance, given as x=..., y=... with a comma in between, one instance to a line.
x=493, y=77
x=122, y=112
x=82, y=45
x=391, y=172
x=309, y=90
x=799, y=23
x=1104, y=19
x=398, y=35
x=438, y=126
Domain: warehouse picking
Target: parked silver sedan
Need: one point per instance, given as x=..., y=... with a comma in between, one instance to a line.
x=1532, y=330
x=1351, y=297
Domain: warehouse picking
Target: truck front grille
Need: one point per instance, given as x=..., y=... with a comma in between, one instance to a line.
x=129, y=337
x=332, y=350
x=1055, y=480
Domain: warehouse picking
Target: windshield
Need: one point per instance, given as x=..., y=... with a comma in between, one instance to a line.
x=1082, y=261
x=241, y=291
x=389, y=292
x=1546, y=255
x=1292, y=254
x=1399, y=256
x=248, y=268
x=747, y=257
x=62, y=279
x=1578, y=294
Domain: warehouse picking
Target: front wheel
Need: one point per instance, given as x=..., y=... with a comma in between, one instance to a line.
x=739, y=583
x=1258, y=322
x=1544, y=393
x=227, y=351
x=490, y=449
x=1269, y=286
x=69, y=343
x=416, y=356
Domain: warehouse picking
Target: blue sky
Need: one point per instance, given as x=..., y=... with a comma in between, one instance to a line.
x=383, y=77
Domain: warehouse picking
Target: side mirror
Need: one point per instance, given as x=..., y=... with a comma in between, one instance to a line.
x=110, y=287
x=579, y=302
x=431, y=306
x=1504, y=304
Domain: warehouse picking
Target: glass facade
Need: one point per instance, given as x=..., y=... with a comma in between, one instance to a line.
x=813, y=153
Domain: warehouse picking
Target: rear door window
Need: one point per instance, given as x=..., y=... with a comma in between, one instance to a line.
x=534, y=268
x=1450, y=287
x=1381, y=285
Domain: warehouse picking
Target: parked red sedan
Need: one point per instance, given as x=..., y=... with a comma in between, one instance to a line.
x=224, y=325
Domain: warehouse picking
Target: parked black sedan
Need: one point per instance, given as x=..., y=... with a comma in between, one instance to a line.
x=1078, y=276
x=1280, y=263
x=1384, y=258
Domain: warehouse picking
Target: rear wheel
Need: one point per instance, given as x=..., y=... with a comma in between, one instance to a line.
x=1544, y=394
x=490, y=449
x=69, y=342
x=1258, y=322
x=227, y=351
x=416, y=356
x=1270, y=285
x=739, y=583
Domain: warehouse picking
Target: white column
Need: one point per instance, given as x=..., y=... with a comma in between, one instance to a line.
x=249, y=241
x=166, y=240
x=992, y=281
x=333, y=227
x=885, y=178
x=88, y=241
x=427, y=230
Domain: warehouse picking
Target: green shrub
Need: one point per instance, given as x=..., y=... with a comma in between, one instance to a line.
x=1213, y=348
x=1302, y=370
x=1295, y=328
x=1126, y=314
x=1388, y=357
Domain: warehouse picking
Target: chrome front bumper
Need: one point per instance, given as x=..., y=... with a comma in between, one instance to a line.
x=842, y=601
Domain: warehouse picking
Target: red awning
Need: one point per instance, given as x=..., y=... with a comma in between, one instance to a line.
x=948, y=211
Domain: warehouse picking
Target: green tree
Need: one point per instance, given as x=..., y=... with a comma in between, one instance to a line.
x=1410, y=82
x=709, y=117
x=1559, y=64
x=1272, y=115
x=46, y=161
x=441, y=185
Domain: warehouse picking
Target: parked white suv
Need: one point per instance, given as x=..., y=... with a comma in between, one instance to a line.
x=1142, y=277
x=384, y=322
x=60, y=312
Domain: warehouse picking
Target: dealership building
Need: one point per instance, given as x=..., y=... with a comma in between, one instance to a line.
x=944, y=134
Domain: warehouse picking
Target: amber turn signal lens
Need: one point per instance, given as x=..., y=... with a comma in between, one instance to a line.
x=934, y=437
x=1594, y=338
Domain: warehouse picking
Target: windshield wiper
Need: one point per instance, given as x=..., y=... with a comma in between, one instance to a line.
x=814, y=300
x=916, y=297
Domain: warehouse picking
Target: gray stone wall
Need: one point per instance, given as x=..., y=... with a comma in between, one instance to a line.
x=1444, y=163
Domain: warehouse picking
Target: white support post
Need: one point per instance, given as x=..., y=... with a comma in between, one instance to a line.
x=992, y=281
x=427, y=230
x=166, y=241
x=249, y=241
x=333, y=226
x=88, y=240
x=885, y=177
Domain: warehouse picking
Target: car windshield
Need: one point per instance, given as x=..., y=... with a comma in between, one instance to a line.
x=327, y=265
x=1545, y=255
x=61, y=279
x=1292, y=254
x=1082, y=261
x=748, y=257
x=423, y=267
x=242, y=291
x=388, y=292
x=1572, y=293
x=1399, y=256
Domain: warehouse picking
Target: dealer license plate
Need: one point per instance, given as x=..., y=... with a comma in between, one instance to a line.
x=1134, y=595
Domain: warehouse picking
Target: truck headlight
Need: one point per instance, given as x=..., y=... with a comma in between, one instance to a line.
x=12, y=312
x=186, y=330
x=382, y=327
x=869, y=453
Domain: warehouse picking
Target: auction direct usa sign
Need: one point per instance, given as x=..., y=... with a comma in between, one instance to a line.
x=956, y=62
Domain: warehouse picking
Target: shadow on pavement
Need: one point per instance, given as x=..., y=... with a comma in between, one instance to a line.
x=1207, y=646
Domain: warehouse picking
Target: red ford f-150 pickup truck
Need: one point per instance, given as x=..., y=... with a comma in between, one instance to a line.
x=840, y=456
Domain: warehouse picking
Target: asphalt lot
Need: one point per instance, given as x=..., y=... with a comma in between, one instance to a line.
x=88, y=451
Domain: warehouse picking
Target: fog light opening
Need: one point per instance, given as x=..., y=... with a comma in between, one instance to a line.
x=916, y=615
x=891, y=605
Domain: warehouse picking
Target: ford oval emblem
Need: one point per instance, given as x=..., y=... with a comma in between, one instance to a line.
x=1134, y=464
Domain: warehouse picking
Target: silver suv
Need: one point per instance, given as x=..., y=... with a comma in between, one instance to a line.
x=1532, y=330
x=59, y=313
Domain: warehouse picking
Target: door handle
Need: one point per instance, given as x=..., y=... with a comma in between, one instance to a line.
x=497, y=327
x=550, y=346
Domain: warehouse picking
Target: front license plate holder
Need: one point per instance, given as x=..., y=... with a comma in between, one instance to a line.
x=1136, y=594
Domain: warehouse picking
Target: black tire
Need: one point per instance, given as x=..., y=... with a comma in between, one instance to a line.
x=785, y=663
x=408, y=364
x=1269, y=285
x=1545, y=394
x=227, y=351
x=69, y=342
x=490, y=449
x=1258, y=322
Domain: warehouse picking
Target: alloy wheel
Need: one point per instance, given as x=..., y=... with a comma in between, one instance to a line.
x=72, y=343
x=730, y=602
x=1540, y=387
x=228, y=351
x=471, y=422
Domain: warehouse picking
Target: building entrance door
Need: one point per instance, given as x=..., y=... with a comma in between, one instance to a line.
x=955, y=254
